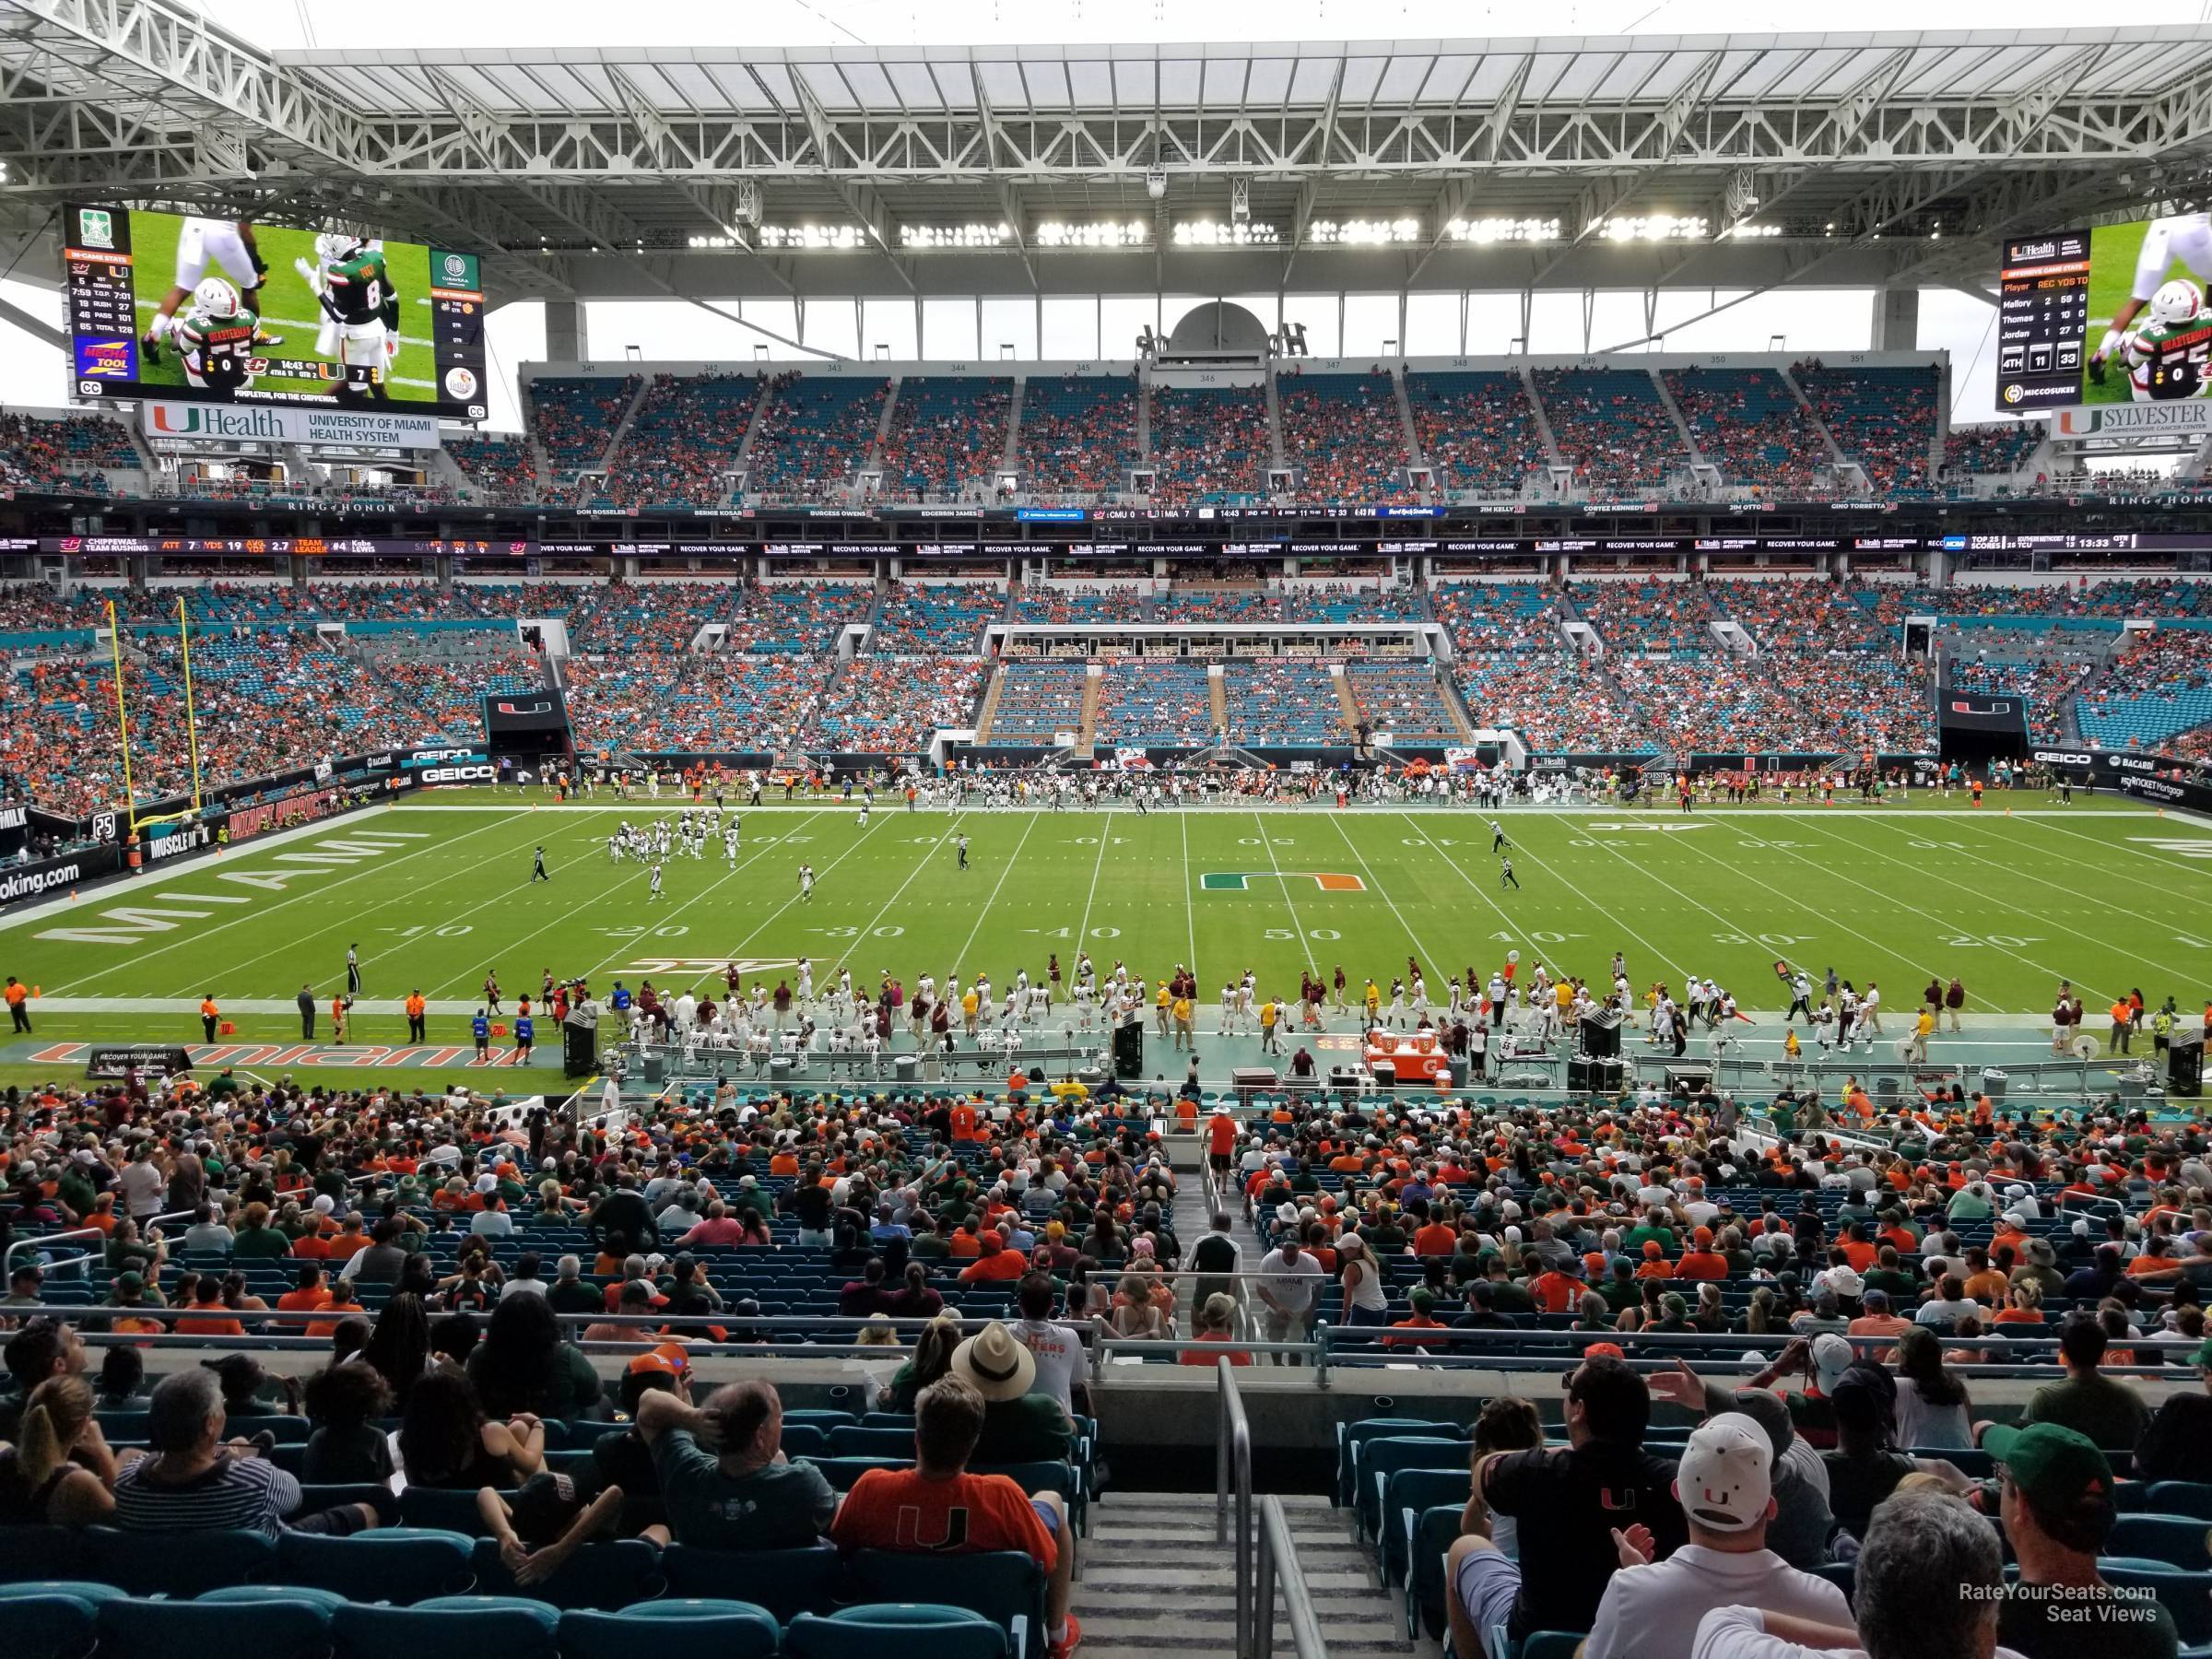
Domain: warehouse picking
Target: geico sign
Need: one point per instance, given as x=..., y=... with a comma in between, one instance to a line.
x=2059, y=757
x=456, y=774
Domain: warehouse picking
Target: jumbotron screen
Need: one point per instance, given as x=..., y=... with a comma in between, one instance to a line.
x=226, y=311
x=2113, y=314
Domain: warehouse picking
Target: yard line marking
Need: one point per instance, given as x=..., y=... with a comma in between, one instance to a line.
x=1190, y=904
x=352, y=925
x=336, y=827
x=1375, y=882
x=858, y=841
x=1297, y=927
x=2043, y=916
x=2045, y=820
x=1473, y=886
x=982, y=915
x=929, y=852
x=1838, y=875
x=1083, y=929
x=640, y=873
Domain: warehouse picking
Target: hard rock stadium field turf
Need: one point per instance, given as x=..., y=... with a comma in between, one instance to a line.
x=438, y=891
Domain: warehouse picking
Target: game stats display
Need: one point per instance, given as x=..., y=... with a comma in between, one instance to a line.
x=227, y=310
x=2113, y=314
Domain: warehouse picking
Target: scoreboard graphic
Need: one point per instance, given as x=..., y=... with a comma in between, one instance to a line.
x=2118, y=314
x=223, y=310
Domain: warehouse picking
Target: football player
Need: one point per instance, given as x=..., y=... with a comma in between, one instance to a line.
x=2183, y=236
x=215, y=339
x=2166, y=355
x=227, y=243
x=360, y=312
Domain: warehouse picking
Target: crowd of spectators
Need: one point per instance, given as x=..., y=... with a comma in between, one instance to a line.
x=1345, y=436
x=575, y=419
x=933, y=619
x=887, y=704
x=1559, y=701
x=1038, y=699
x=1882, y=417
x=1484, y=617
x=1402, y=698
x=1323, y=601
x=1209, y=446
x=1477, y=430
x=798, y=617
x=71, y=455
x=705, y=702
x=659, y=615
x=815, y=432
x=1715, y=703
x=500, y=468
x=1164, y=700
x=1998, y=447
x=2045, y=684
x=682, y=444
x=1746, y=422
x=1634, y=616
x=947, y=437
x=1078, y=435
x=1801, y=614
x=1288, y=700
x=2156, y=688
x=1082, y=602
x=1612, y=428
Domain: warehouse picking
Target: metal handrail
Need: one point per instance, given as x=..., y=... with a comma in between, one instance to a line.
x=40, y=1240
x=1232, y=1476
x=1279, y=1561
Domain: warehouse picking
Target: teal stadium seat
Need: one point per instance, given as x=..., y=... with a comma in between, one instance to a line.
x=449, y=1627
x=32, y=1553
x=602, y=1578
x=786, y=1582
x=53, y=1624
x=2179, y=1540
x=688, y=1628
x=1003, y=1585
x=177, y=1563
x=268, y=1629
x=912, y=1630
x=400, y=1565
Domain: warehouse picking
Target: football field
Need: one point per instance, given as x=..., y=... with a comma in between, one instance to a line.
x=290, y=308
x=436, y=893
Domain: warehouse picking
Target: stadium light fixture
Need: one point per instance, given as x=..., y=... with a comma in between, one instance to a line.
x=1212, y=233
x=975, y=235
x=813, y=238
x=1156, y=182
x=1654, y=227
x=1363, y=233
x=1502, y=229
x=1057, y=233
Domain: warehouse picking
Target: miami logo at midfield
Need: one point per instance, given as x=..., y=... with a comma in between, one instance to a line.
x=1238, y=881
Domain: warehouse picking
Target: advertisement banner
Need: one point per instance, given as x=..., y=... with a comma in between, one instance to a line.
x=508, y=713
x=19, y=884
x=271, y=423
x=2189, y=420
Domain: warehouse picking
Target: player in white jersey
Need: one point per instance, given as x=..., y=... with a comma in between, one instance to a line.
x=201, y=242
x=806, y=882
x=655, y=892
x=1041, y=1003
x=1081, y=999
x=729, y=845
x=2183, y=238
x=613, y=849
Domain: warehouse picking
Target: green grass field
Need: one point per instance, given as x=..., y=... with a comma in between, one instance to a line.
x=436, y=893
x=2112, y=250
x=289, y=308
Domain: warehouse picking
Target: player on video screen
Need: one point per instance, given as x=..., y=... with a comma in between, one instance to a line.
x=214, y=338
x=2166, y=353
x=2184, y=236
x=360, y=312
x=201, y=242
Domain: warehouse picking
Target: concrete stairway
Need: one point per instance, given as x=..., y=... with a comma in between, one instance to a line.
x=983, y=715
x=1155, y=1582
x=1086, y=732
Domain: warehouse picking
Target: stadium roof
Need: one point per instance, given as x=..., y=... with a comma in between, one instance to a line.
x=1718, y=160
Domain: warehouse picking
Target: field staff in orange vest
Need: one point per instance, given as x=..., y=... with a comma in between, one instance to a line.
x=416, y=1007
x=18, y=995
x=209, y=1014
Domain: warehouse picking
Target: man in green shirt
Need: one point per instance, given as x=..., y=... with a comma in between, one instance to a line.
x=1018, y=1425
x=2055, y=1499
x=2107, y=1412
x=743, y=1494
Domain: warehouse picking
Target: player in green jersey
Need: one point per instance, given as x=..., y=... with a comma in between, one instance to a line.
x=215, y=339
x=360, y=312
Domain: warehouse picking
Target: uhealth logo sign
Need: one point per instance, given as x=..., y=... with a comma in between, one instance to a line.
x=1238, y=881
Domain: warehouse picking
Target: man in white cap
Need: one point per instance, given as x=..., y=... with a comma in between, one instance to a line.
x=1651, y=1608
